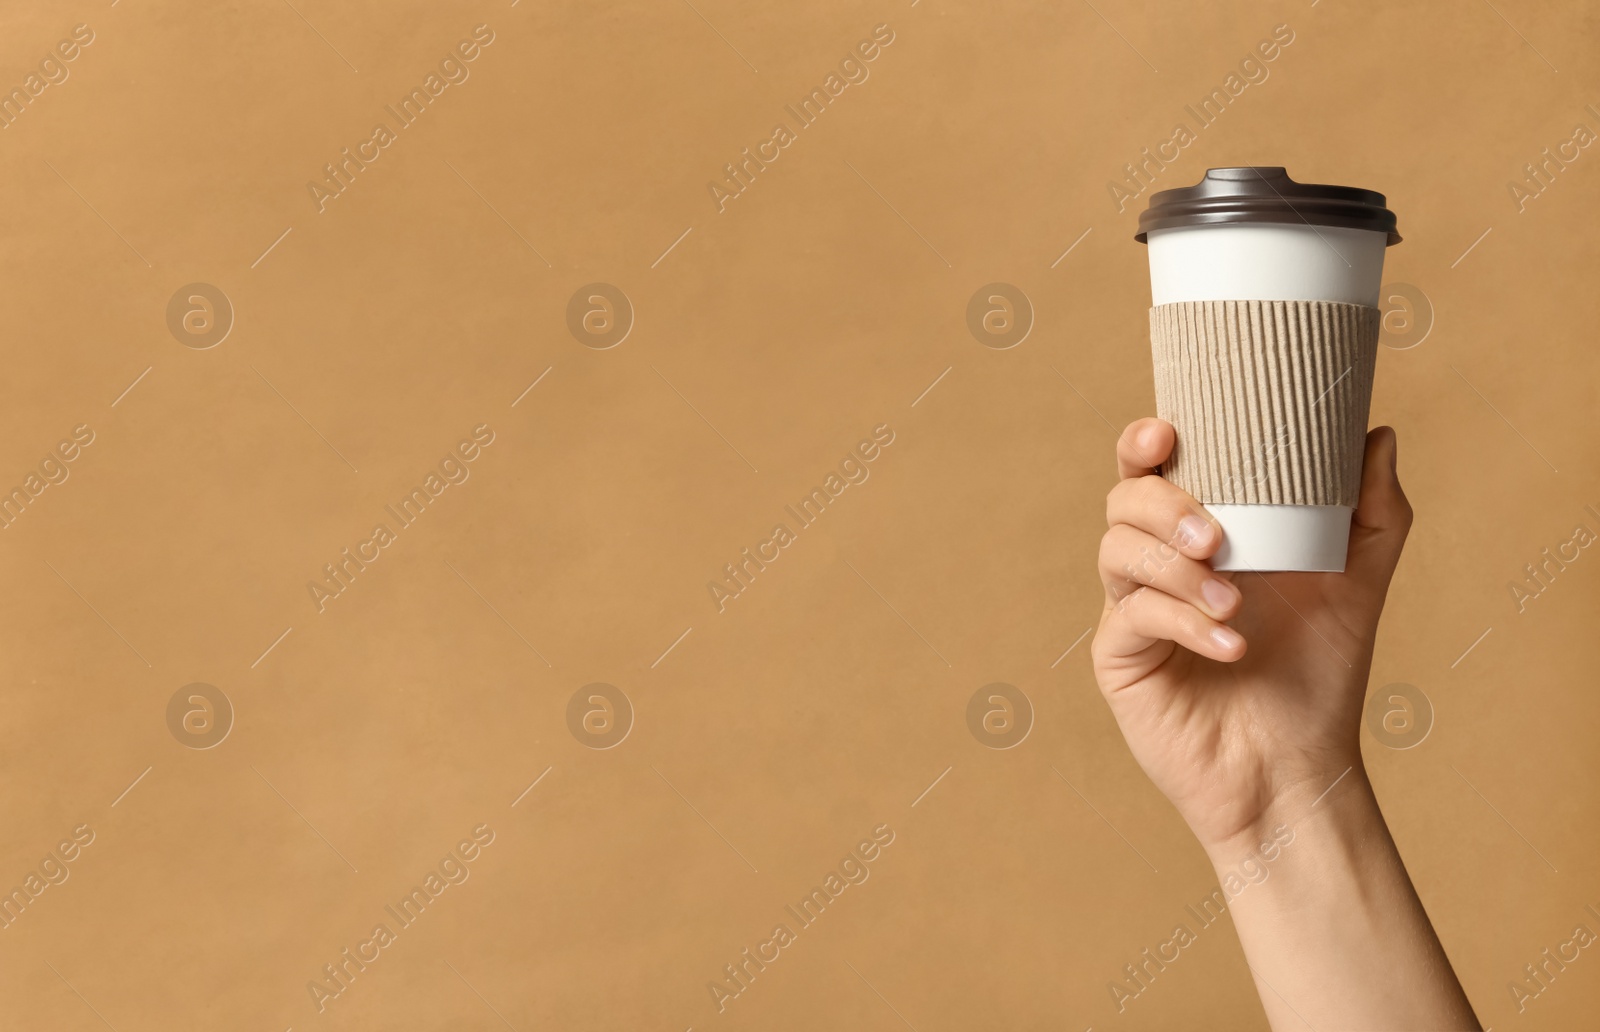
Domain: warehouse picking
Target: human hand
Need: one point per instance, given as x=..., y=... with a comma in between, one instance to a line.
x=1240, y=694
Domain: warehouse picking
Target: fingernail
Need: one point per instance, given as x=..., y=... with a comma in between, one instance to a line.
x=1227, y=638
x=1193, y=532
x=1219, y=595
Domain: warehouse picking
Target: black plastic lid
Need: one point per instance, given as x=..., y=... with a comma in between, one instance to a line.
x=1228, y=196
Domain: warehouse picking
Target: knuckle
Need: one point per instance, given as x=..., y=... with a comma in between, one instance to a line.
x=1163, y=502
x=1149, y=614
x=1132, y=605
x=1115, y=544
x=1108, y=549
x=1192, y=623
x=1099, y=646
x=1121, y=497
x=1124, y=554
x=1147, y=489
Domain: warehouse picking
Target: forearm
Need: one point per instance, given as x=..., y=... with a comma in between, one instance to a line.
x=1333, y=931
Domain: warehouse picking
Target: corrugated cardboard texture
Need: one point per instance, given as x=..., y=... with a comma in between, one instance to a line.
x=1269, y=398
x=359, y=317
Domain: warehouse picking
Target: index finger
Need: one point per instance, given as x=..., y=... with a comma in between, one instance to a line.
x=1144, y=446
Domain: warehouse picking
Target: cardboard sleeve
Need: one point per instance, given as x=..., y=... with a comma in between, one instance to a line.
x=1269, y=398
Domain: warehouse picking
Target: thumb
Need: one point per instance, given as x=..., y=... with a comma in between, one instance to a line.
x=1382, y=515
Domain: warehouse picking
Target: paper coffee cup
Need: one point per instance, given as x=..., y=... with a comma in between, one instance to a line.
x=1264, y=331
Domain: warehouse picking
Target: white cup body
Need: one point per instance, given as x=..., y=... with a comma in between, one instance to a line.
x=1266, y=262
x=1271, y=262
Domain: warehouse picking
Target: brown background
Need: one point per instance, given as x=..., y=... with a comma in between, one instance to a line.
x=829, y=697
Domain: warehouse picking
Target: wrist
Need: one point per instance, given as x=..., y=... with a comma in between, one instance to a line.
x=1340, y=792
x=1321, y=840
